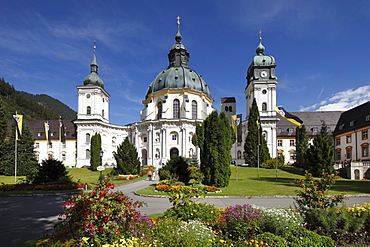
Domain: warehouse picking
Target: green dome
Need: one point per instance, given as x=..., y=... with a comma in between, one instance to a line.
x=178, y=75
x=261, y=59
x=93, y=78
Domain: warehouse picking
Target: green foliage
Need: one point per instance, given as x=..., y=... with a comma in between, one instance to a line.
x=177, y=167
x=202, y=212
x=215, y=138
x=301, y=146
x=180, y=195
x=272, y=239
x=309, y=238
x=280, y=221
x=196, y=174
x=127, y=159
x=33, y=107
x=26, y=159
x=95, y=147
x=239, y=222
x=102, y=217
x=320, y=155
x=255, y=146
x=51, y=170
x=176, y=233
x=314, y=193
x=166, y=175
x=271, y=163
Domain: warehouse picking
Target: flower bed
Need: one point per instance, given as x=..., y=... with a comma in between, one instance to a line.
x=124, y=177
x=171, y=188
x=32, y=187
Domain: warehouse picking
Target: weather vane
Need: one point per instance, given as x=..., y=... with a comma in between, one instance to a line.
x=178, y=20
x=94, y=44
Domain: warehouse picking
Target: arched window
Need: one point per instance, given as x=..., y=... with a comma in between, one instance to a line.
x=226, y=108
x=264, y=106
x=239, y=154
x=88, y=138
x=230, y=108
x=176, y=108
x=87, y=154
x=159, y=109
x=174, y=152
x=194, y=109
x=88, y=110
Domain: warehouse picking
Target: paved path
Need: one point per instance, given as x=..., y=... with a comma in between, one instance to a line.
x=27, y=217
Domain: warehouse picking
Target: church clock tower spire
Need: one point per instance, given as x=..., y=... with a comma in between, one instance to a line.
x=261, y=85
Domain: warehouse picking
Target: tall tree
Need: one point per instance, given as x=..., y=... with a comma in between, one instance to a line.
x=255, y=146
x=215, y=137
x=3, y=132
x=95, y=147
x=320, y=155
x=301, y=146
x=127, y=159
x=26, y=160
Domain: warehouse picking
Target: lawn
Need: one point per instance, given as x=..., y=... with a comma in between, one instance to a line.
x=77, y=174
x=247, y=183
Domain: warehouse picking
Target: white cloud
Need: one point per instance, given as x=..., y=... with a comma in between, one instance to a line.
x=342, y=101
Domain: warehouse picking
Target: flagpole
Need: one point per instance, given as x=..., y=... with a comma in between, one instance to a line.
x=15, y=155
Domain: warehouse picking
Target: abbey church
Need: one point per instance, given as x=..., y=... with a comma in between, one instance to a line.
x=176, y=100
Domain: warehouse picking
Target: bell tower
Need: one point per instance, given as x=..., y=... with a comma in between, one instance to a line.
x=261, y=85
x=93, y=100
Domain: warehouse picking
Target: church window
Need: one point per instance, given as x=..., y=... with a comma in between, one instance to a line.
x=230, y=108
x=63, y=157
x=176, y=108
x=239, y=154
x=280, y=143
x=264, y=91
x=349, y=152
x=87, y=138
x=159, y=109
x=291, y=142
x=102, y=113
x=87, y=154
x=88, y=96
x=88, y=110
x=365, y=150
x=226, y=108
x=349, y=139
x=364, y=135
x=194, y=109
x=145, y=139
x=264, y=107
x=174, y=137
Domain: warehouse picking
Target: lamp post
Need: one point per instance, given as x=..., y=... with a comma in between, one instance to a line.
x=101, y=168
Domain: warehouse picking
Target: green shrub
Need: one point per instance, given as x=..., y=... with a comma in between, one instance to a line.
x=314, y=193
x=280, y=221
x=202, y=212
x=101, y=217
x=176, y=167
x=271, y=163
x=239, y=222
x=272, y=239
x=51, y=170
x=308, y=239
x=176, y=233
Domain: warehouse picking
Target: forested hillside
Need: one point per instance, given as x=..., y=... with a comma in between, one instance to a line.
x=32, y=107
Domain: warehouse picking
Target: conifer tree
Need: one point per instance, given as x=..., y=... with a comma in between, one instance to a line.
x=26, y=159
x=95, y=147
x=215, y=137
x=3, y=132
x=255, y=145
x=127, y=159
x=320, y=155
x=301, y=146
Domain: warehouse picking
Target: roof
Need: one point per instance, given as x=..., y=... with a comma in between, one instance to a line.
x=228, y=100
x=312, y=121
x=354, y=118
x=38, y=130
x=178, y=74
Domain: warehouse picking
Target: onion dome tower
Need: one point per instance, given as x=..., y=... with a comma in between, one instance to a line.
x=178, y=85
x=93, y=100
x=261, y=86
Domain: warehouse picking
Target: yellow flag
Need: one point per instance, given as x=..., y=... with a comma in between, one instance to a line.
x=19, y=121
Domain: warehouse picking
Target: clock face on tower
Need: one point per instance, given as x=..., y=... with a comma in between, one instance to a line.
x=263, y=74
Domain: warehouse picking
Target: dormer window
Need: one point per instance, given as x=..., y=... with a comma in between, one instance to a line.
x=352, y=123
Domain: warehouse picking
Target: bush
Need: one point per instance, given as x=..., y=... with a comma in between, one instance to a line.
x=239, y=222
x=51, y=170
x=281, y=222
x=272, y=239
x=314, y=193
x=176, y=167
x=271, y=163
x=202, y=212
x=178, y=233
x=101, y=217
x=308, y=239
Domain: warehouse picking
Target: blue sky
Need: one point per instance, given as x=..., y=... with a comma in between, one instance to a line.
x=321, y=48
